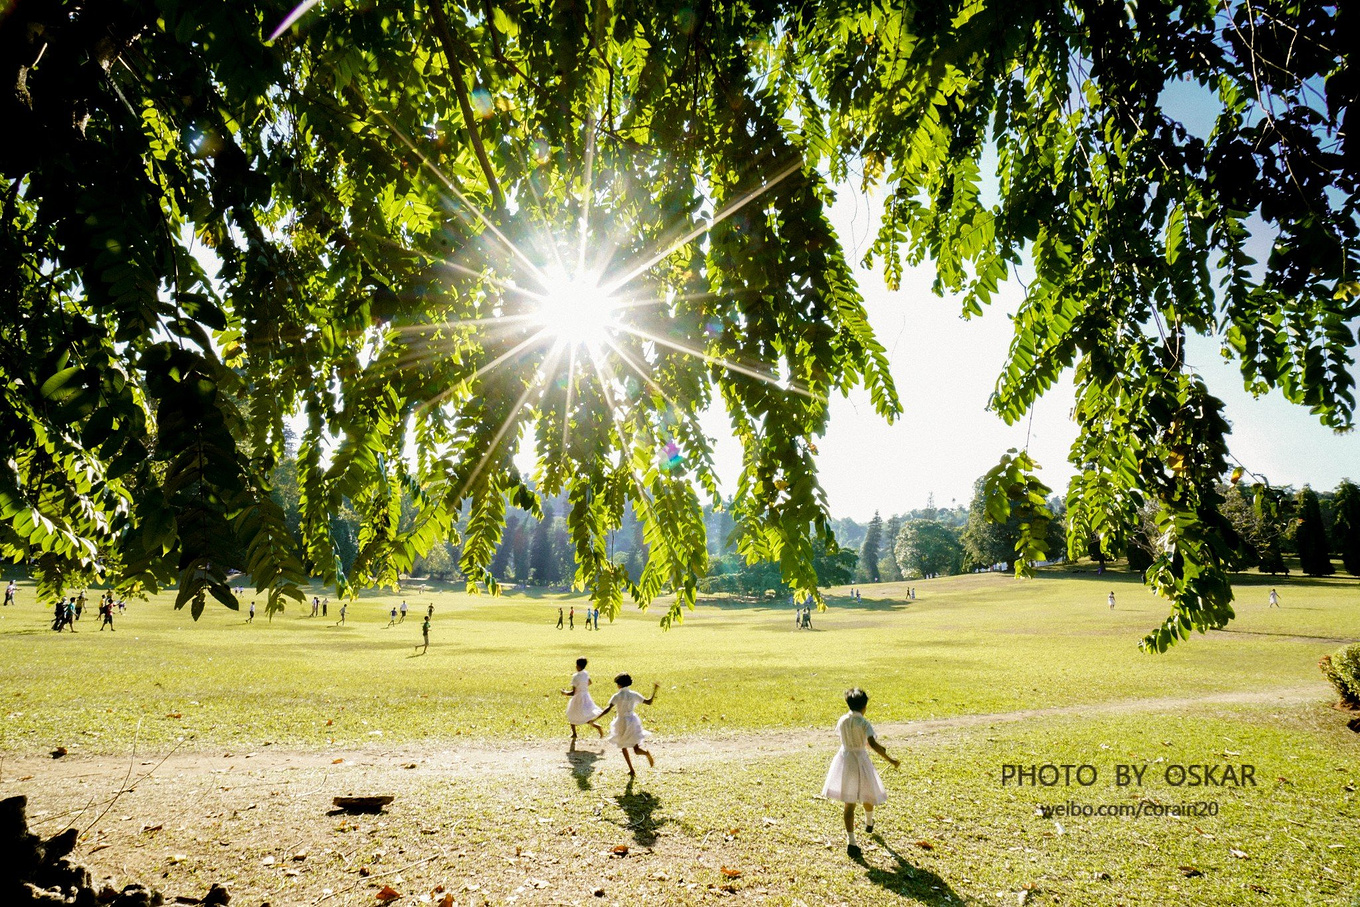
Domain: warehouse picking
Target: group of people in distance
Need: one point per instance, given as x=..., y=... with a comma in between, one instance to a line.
x=67, y=611
x=592, y=618
x=802, y=617
x=851, y=779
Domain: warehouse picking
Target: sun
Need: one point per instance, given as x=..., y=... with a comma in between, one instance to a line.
x=576, y=310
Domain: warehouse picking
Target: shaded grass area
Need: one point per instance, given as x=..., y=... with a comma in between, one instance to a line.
x=967, y=645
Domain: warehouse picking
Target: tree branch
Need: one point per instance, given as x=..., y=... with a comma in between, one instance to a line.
x=450, y=45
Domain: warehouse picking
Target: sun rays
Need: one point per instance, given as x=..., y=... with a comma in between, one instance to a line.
x=573, y=319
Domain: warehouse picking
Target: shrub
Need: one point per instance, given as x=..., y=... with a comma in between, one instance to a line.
x=1342, y=668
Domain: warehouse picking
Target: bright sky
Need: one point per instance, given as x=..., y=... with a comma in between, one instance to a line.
x=945, y=369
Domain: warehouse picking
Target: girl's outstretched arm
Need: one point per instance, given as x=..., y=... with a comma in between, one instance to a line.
x=648, y=700
x=607, y=709
x=878, y=748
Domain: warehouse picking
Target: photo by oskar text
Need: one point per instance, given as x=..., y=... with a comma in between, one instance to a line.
x=1174, y=774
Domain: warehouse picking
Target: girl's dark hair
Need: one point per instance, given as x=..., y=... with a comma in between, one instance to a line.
x=856, y=699
x=580, y=664
x=624, y=680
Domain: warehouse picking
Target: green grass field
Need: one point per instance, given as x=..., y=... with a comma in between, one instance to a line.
x=967, y=645
x=740, y=680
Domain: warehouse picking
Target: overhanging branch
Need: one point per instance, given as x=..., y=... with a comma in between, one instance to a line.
x=451, y=52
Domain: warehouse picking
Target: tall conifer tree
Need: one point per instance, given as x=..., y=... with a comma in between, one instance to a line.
x=1346, y=529
x=1311, y=536
x=870, y=551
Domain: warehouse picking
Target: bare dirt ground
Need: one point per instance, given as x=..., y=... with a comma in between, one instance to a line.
x=263, y=824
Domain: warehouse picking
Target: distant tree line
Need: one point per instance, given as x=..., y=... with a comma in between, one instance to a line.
x=1265, y=526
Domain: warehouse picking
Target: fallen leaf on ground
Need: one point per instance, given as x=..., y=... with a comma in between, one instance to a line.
x=446, y=901
x=619, y=850
x=1258, y=889
x=1191, y=872
x=59, y=752
x=1240, y=854
x=388, y=893
x=731, y=873
x=925, y=845
x=150, y=828
x=336, y=761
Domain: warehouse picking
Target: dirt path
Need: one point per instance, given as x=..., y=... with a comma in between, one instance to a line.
x=527, y=822
x=482, y=760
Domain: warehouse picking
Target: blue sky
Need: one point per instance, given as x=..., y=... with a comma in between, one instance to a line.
x=945, y=369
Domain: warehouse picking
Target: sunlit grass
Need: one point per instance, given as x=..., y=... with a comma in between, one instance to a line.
x=972, y=644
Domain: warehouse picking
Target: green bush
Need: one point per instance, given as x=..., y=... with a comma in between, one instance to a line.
x=1343, y=670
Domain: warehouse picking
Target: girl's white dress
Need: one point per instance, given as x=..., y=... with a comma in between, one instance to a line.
x=626, y=728
x=852, y=778
x=581, y=708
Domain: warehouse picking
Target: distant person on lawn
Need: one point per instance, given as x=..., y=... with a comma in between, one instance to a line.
x=1274, y=599
x=560, y=618
x=851, y=779
x=425, y=632
x=10, y=590
x=1111, y=599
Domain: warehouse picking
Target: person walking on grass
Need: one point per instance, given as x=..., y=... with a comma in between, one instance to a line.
x=1274, y=599
x=10, y=591
x=106, y=614
x=597, y=618
x=582, y=708
x=626, y=730
x=392, y=618
x=403, y=612
x=425, y=632
x=852, y=779
x=571, y=618
x=561, y=616
x=344, y=606
x=1111, y=599
x=251, y=618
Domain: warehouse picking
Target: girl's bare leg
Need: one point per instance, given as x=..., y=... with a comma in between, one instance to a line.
x=850, y=818
x=641, y=752
x=573, y=732
x=628, y=759
x=596, y=727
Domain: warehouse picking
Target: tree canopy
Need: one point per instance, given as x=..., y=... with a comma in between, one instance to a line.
x=401, y=195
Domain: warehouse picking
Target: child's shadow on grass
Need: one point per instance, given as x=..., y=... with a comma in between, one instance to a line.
x=921, y=885
x=640, y=807
x=582, y=765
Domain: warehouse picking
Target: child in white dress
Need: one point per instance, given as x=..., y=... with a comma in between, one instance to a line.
x=626, y=730
x=852, y=778
x=582, y=709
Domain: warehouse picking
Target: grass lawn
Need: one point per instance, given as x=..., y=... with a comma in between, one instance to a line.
x=494, y=810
